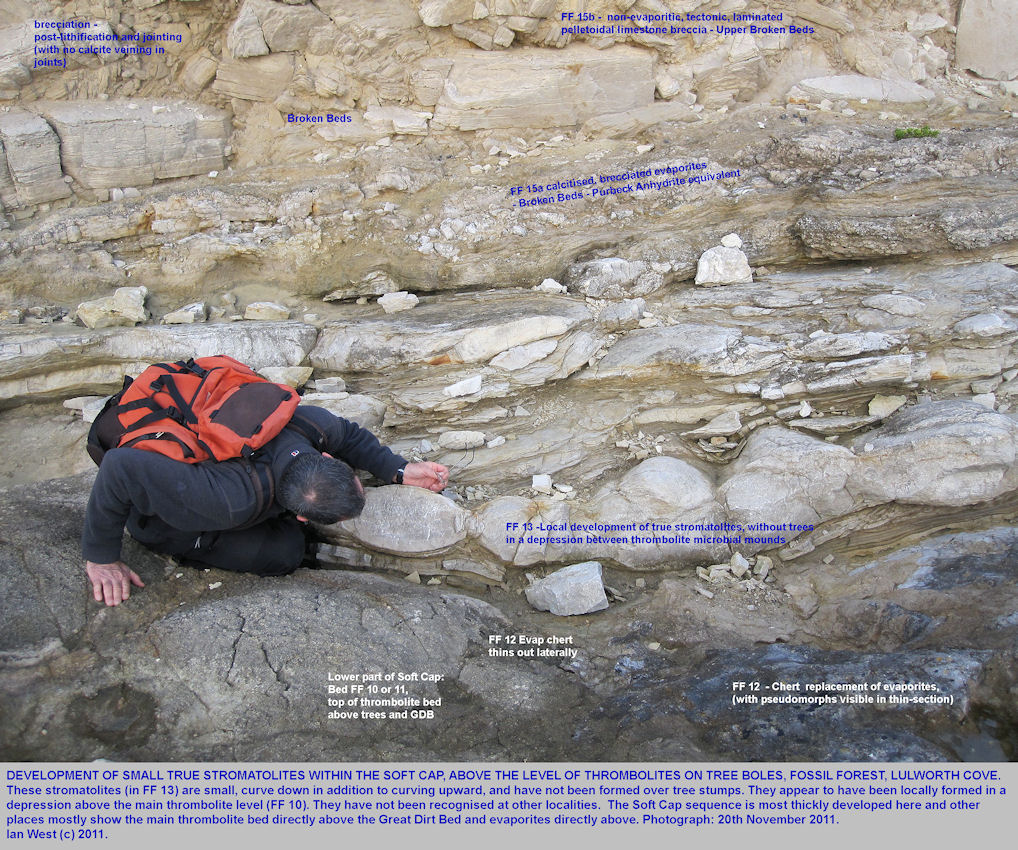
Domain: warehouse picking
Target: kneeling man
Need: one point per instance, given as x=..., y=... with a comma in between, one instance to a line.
x=245, y=514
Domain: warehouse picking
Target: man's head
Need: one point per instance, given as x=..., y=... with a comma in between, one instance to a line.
x=319, y=488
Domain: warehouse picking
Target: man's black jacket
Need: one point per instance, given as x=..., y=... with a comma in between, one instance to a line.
x=214, y=496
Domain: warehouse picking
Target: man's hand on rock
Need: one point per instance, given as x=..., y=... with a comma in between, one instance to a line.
x=111, y=583
x=430, y=476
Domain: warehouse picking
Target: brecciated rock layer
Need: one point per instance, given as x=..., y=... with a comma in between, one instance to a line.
x=371, y=222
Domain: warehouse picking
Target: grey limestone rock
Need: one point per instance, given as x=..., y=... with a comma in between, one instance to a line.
x=266, y=311
x=615, y=278
x=690, y=347
x=986, y=325
x=447, y=333
x=784, y=477
x=187, y=315
x=43, y=361
x=855, y=87
x=461, y=440
x=888, y=733
x=622, y=316
x=925, y=455
x=365, y=410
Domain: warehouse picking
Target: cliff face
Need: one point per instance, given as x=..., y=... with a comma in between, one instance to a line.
x=687, y=278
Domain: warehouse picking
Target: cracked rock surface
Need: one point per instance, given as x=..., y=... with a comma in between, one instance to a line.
x=211, y=665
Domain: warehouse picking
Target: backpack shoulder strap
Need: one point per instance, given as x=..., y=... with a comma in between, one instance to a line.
x=308, y=429
x=106, y=429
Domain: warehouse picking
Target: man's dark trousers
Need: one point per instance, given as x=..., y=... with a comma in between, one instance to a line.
x=275, y=547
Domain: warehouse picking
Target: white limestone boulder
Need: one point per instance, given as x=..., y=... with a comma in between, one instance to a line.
x=785, y=477
x=405, y=520
x=124, y=308
x=985, y=42
x=573, y=590
x=720, y=265
x=946, y=453
x=398, y=302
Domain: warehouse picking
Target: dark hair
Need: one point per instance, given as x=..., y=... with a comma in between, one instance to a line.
x=321, y=489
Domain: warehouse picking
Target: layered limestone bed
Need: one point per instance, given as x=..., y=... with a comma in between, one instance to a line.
x=677, y=308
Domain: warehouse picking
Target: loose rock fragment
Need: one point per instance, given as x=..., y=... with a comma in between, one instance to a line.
x=722, y=265
x=397, y=302
x=187, y=315
x=738, y=565
x=468, y=386
x=267, y=311
x=573, y=590
x=125, y=307
x=550, y=285
x=883, y=406
x=460, y=440
x=542, y=484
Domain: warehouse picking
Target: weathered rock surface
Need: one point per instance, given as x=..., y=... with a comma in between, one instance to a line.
x=924, y=454
x=29, y=161
x=854, y=88
x=828, y=732
x=44, y=361
x=407, y=521
x=243, y=662
x=507, y=90
x=983, y=45
x=84, y=682
x=366, y=411
x=105, y=144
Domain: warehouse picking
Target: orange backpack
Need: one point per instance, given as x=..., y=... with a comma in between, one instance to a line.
x=212, y=408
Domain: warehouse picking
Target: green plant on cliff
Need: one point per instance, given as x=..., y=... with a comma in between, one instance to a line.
x=914, y=133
